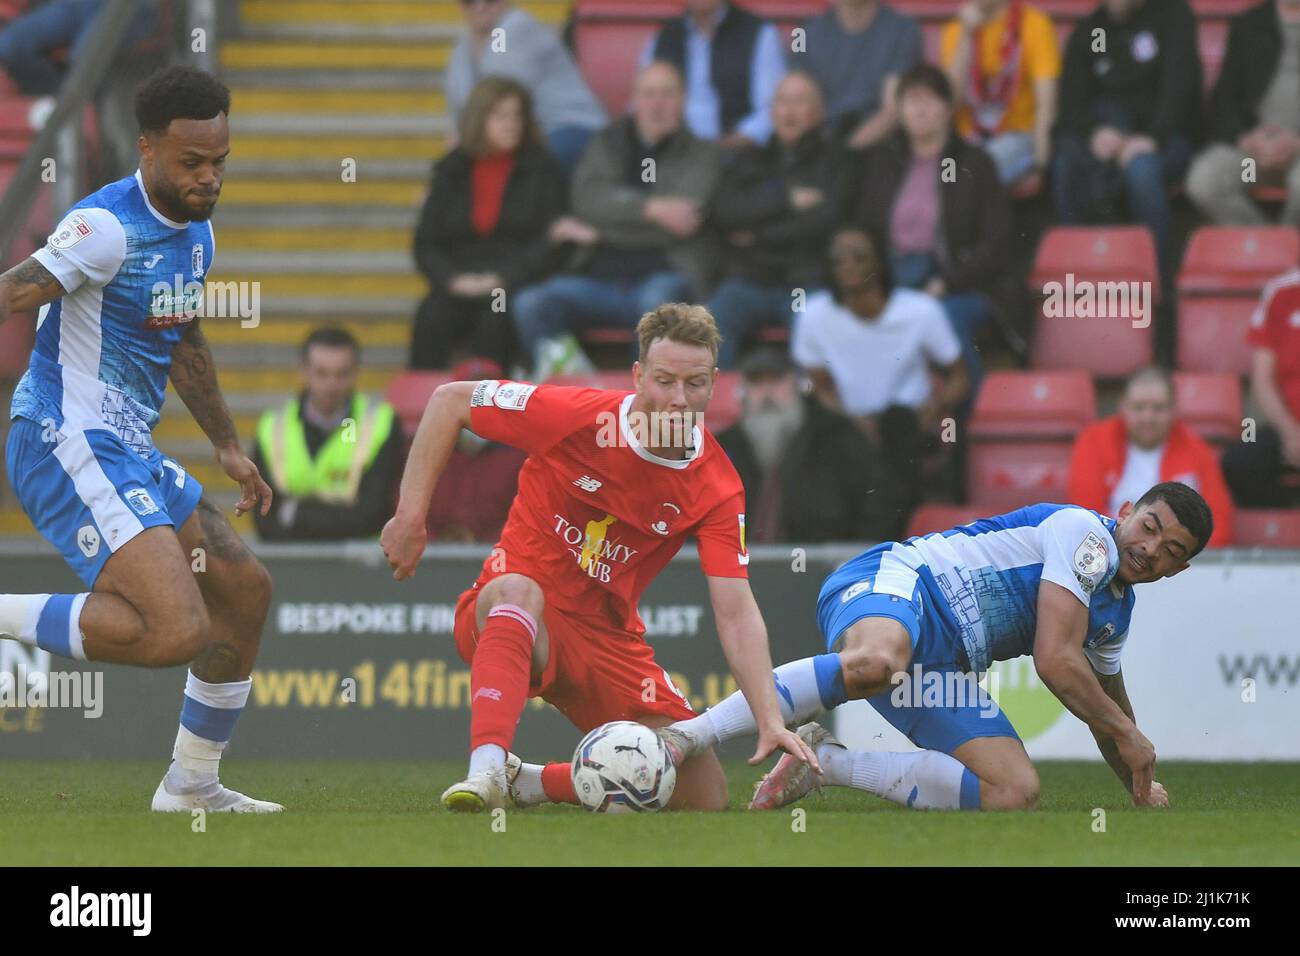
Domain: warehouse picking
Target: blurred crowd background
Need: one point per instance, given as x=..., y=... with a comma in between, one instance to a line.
x=965, y=256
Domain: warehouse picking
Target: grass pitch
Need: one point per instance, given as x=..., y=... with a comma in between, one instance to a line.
x=386, y=813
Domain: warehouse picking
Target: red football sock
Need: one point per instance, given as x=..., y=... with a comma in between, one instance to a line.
x=558, y=783
x=499, y=676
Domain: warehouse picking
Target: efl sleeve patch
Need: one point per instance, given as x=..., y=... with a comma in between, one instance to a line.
x=483, y=393
x=70, y=232
x=1090, y=561
x=513, y=396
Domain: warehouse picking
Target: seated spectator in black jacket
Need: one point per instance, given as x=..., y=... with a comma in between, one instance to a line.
x=1128, y=116
x=332, y=455
x=1254, y=114
x=484, y=228
x=809, y=473
x=939, y=201
x=776, y=208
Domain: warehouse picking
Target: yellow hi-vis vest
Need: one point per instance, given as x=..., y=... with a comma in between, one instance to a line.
x=334, y=475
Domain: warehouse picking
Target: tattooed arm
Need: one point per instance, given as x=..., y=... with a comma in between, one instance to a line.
x=26, y=287
x=194, y=375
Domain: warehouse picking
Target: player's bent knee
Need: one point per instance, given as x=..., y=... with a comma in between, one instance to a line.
x=867, y=668
x=518, y=589
x=1019, y=793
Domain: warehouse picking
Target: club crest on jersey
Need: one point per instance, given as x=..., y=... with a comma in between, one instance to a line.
x=513, y=396
x=854, y=590
x=141, y=503
x=1104, y=634
x=667, y=510
x=196, y=260
x=88, y=540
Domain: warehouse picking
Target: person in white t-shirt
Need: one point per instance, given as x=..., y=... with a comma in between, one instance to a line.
x=870, y=350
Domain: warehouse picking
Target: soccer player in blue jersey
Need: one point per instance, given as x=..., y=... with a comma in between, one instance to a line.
x=1053, y=581
x=119, y=284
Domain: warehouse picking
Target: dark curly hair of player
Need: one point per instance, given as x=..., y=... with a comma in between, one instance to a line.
x=179, y=92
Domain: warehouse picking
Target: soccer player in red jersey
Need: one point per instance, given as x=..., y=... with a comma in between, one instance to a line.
x=613, y=485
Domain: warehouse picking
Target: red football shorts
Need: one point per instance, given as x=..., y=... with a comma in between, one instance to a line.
x=595, y=673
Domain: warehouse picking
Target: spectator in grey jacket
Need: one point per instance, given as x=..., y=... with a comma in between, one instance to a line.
x=640, y=193
x=529, y=51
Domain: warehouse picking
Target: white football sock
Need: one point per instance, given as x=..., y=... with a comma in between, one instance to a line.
x=49, y=621
x=804, y=689
x=486, y=759
x=19, y=614
x=213, y=709
x=528, y=785
x=926, y=780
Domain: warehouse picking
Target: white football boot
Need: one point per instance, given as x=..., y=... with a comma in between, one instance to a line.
x=792, y=779
x=214, y=799
x=481, y=791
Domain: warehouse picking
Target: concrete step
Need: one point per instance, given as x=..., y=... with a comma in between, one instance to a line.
x=284, y=381
x=290, y=331
x=296, y=147
x=339, y=124
x=312, y=261
x=244, y=406
x=341, y=56
x=375, y=80
x=260, y=355
x=320, y=192
x=327, y=307
x=256, y=14
x=326, y=166
x=307, y=102
x=274, y=239
x=290, y=284
x=314, y=217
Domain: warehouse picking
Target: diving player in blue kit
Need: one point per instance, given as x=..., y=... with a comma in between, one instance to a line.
x=120, y=284
x=1054, y=581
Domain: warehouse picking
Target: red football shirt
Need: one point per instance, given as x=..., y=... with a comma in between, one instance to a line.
x=1276, y=326
x=597, y=515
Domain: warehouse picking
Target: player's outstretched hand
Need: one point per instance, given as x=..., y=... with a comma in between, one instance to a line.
x=1139, y=755
x=1158, y=797
x=769, y=741
x=403, y=545
x=252, y=486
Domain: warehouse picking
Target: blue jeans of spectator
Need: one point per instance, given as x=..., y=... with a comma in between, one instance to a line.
x=567, y=144
x=741, y=307
x=569, y=303
x=27, y=42
x=1013, y=154
x=1089, y=190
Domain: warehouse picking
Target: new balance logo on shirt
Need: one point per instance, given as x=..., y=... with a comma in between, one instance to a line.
x=587, y=483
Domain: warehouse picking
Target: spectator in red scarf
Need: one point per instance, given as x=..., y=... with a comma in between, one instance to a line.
x=1120, y=458
x=1004, y=62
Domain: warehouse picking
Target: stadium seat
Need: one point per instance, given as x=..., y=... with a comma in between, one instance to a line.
x=1210, y=403
x=1011, y=474
x=1267, y=528
x=1212, y=334
x=1033, y=405
x=1227, y=259
x=928, y=519
x=1112, y=259
x=409, y=394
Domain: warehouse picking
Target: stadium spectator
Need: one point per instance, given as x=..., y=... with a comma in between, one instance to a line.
x=947, y=218
x=870, y=347
x=1254, y=112
x=857, y=50
x=485, y=228
x=640, y=191
x=1265, y=472
x=529, y=51
x=809, y=473
x=1120, y=458
x=1128, y=116
x=1003, y=61
x=776, y=208
x=731, y=61
x=476, y=489
x=29, y=43
x=332, y=455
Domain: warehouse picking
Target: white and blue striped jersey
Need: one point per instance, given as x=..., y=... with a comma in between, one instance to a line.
x=979, y=582
x=133, y=278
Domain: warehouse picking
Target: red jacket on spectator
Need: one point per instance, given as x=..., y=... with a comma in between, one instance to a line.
x=1097, y=464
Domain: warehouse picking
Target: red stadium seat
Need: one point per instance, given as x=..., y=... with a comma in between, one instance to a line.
x=608, y=53
x=1011, y=474
x=1212, y=334
x=1267, y=529
x=1210, y=403
x=1074, y=262
x=1227, y=259
x=1016, y=405
x=928, y=519
x=409, y=394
